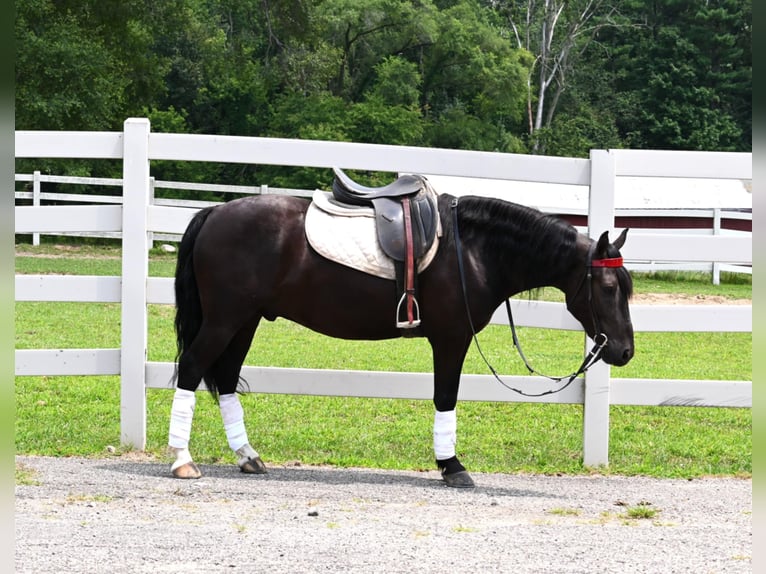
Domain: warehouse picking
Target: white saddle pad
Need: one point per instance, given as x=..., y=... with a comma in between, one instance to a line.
x=347, y=236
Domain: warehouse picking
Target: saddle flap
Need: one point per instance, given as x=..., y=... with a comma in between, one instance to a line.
x=389, y=224
x=389, y=220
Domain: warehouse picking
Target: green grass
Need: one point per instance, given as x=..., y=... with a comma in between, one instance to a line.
x=80, y=415
x=25, y=476
x=641, y=512
x=733, y=285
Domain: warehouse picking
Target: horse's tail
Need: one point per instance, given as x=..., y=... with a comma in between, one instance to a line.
x=188, y=308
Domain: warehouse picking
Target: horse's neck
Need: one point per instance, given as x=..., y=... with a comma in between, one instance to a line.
x=517, y=267
x=533, y=269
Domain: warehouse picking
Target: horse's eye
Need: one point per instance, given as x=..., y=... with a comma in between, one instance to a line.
x=609, y=289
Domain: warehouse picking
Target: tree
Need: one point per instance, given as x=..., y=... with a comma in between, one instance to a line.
x=473, y=81
x=556, y=32
x=550, y=76
x=683, y=80
x=66, y=76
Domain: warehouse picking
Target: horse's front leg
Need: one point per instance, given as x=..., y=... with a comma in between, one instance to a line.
x=448, y=363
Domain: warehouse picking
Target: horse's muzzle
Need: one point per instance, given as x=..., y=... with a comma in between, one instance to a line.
x=617, y=355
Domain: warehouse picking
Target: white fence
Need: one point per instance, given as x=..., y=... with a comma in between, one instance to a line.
x=714, y=215
x=37, y=196
x=137, y=218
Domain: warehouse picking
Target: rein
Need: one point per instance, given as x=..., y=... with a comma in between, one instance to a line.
x=600, y=340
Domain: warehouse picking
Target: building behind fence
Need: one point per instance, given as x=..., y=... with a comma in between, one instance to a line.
x=138, y=218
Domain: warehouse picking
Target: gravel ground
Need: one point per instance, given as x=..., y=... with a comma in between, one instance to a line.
x=125, y=515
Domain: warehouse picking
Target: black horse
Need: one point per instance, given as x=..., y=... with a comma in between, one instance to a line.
x=249, y=259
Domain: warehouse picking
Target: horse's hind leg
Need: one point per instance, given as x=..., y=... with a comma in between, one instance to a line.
x=195, y=362
x=226, y=372
x=181, y=416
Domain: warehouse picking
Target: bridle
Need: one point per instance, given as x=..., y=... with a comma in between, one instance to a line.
x=599, y=340
x=587, y=280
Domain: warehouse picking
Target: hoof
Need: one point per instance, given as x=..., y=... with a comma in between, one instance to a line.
x=188, y=470
x=459, y=479
x=253, y=466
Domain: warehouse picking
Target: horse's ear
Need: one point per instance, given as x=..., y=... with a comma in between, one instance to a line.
x=603, y=245
x=620, y=241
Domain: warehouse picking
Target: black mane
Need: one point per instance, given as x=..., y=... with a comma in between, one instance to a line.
x=530, y=245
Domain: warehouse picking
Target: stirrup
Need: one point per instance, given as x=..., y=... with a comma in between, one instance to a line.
x=416, y=312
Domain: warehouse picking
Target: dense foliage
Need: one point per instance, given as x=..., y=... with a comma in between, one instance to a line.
x=558, y=77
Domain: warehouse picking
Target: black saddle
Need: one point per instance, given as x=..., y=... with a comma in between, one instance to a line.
x=406, y=220
x=386, y=201
x=345, y=190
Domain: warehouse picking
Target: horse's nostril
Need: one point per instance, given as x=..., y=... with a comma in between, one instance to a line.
x=627, y=354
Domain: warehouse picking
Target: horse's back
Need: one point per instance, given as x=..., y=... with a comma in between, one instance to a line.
x=260, y=223
x=250, y=216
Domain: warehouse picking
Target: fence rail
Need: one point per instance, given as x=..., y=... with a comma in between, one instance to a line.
x=37, y=196
x=139, y=216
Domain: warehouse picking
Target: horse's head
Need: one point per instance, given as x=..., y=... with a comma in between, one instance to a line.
x=599, y=299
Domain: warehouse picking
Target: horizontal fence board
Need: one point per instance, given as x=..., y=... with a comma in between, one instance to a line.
x=184, y=203
x=169, y=219
x=419, y=386
x=63, y=218
x=690, y=393
x=378, y=384
x=73, y=197
x=214, y=187
x=64, y=144
x=160, y=291
x=542, y=314
x=395, y=159
x=76, y=288
x=107, y=181
x=646, y=318
x=695, y=164
x=687, y=248
x=65, y=362
x=748, y=270
x=692, y=318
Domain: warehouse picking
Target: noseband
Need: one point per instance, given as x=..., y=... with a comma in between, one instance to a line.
x=600, y=339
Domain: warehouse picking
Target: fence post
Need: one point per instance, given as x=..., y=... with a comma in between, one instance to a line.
x=135, y=271
x=716, y=231
x=150, y=244
x=36, y=201
x=596, y=399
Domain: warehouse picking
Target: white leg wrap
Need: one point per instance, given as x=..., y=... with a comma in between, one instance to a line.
x=246, y=453
x=233, y=421
x=182, y=457
x=181, y=416
x=445, y=434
